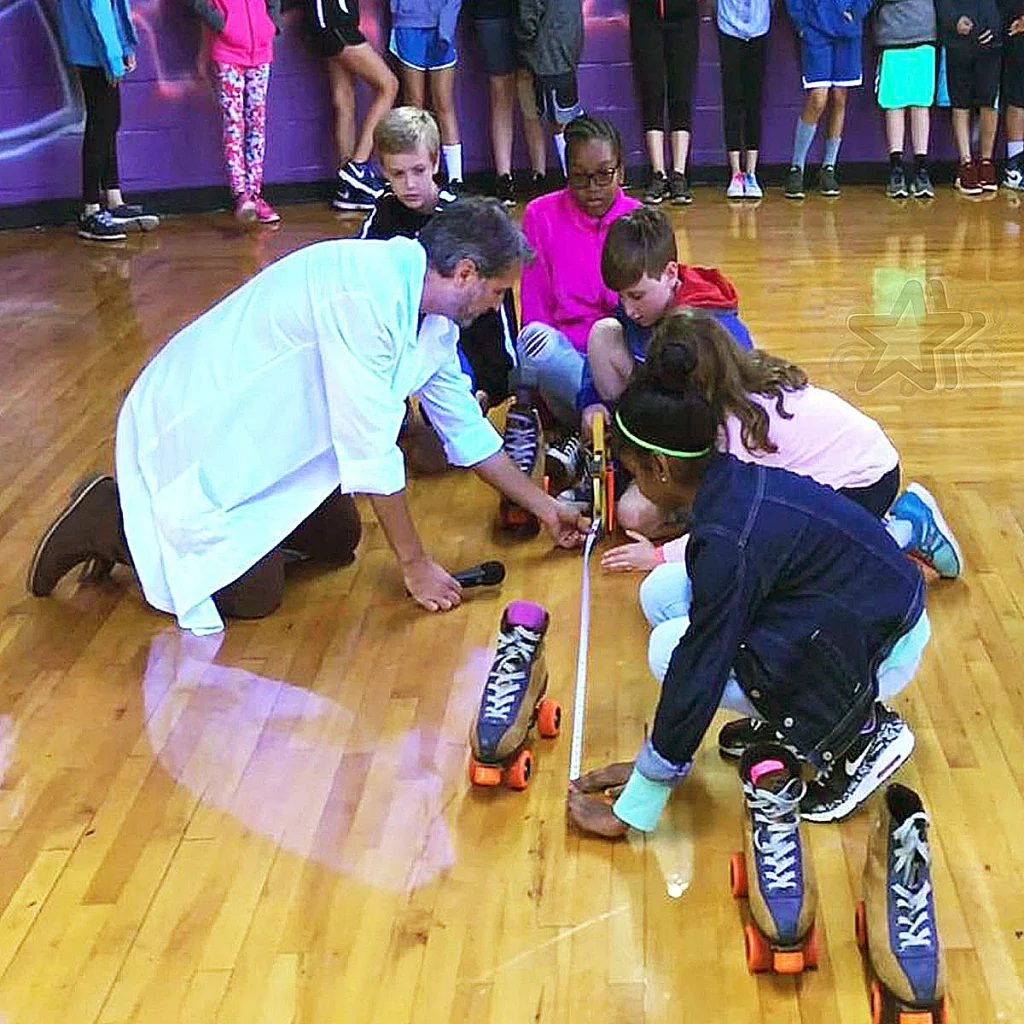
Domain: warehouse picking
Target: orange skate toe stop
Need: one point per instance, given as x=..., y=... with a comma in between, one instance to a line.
x=788, y=961
x=484, y=774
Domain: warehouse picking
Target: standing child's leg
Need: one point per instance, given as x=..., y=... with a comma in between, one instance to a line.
x=989, y=118
x=837, y=117
x=895, y=128
x=502, y=96
x=753, y=86
x=101, y=116
x=806, y=126
x=442, y=90
x=682, y=49
x=920, y=126
x=647, y=54
x=232, y=105
x=730, y=50
x=256, y=81
x=536, y=140
x=1013, y=173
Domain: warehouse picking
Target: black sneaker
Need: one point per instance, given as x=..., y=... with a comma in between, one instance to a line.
x=897, y=186
x=679, y=190
x=346, y=198
x=505, y=190
x=735, y=737
x=873, y=757
x=658, y=190
x=828, y=183
x=133, y=217
x=564, y=463
x=100, y=227
x=921, y=186
x=362, y=180
x=1013, y=174
x=538, y=184
x=795, y=183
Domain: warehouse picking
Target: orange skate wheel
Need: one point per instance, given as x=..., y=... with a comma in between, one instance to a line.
x=609, y=500
x=549, y=718
x=520, y=770
x=738, y=874
x=483, y=774
x=860, y=925
x=759, y=953
x=915, y=1017
x=812, y=949
x=877, y=1002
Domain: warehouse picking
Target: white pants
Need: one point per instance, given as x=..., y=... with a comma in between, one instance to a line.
x=665, y=597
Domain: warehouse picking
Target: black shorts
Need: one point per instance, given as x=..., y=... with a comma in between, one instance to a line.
x=1012, y=93
x=557, y=97
x=496, y=44
x=973, y=77
x=334, y=24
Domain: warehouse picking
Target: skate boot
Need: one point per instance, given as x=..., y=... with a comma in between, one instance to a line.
x=513, y=700
x=896, y=917
x=772, y=871
x=524, y=445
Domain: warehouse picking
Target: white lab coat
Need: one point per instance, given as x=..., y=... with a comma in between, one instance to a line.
x=291, y=386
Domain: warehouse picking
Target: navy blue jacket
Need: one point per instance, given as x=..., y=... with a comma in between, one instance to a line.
x=798, y=589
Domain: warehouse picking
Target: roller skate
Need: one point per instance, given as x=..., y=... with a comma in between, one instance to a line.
x=513, y=700
x=772, y=871
x=524, y=445
x=896, y=918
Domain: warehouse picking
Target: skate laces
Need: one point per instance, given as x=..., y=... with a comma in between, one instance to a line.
x=509, y=673
x=911, y=885
x=776, y=830
x=521, y=440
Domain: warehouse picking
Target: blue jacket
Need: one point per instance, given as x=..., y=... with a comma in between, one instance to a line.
x=98, y=33
x=802, y=593
x=841, y=19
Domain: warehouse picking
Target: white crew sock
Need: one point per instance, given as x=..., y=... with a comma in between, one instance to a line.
x=453, y=160
x=560, y=150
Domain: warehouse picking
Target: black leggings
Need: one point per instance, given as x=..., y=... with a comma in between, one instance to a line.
x=742, y=80
x=878, y=497
x=664, y=53
x=99, y=145
x=328, y=536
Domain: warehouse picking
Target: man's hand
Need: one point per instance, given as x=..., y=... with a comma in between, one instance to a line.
x=567, y=527
x=431, y=585
x=588, y=416
x=964, y=25
x=640, y=556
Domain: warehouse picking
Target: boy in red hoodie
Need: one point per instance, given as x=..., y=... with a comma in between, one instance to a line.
x=241, y=42
x=640, y=261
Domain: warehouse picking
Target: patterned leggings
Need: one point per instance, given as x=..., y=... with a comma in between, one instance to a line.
x=243, y=101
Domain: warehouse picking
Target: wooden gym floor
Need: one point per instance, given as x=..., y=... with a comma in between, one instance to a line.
x=281, y=830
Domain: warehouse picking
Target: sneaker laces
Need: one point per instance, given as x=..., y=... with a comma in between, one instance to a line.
x=509, y=673
x=776, y=830
x=568, y=452
x=911, y=885
x=521, y=439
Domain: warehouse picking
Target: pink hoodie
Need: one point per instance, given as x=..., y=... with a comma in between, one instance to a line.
x=563, y=286
x=247, y=38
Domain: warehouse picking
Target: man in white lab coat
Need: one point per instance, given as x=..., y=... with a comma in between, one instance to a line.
x=247, y=434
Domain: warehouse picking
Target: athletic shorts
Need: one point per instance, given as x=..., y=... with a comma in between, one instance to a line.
x=557, y=97
x=334, y=25
x=906, y=77
x=496, y=44
x=422, y=48
x=830, y=60
x=973, y=77
x=1012, y=93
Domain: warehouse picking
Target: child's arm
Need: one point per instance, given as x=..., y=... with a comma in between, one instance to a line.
x=209, y=14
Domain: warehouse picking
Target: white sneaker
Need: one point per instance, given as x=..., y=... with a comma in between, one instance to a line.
x=752, y=187
x=737, y=187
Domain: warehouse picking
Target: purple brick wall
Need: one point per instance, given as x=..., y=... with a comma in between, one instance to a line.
x=170, y=133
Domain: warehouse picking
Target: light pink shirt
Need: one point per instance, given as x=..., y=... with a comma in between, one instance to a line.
x=563, y=286
x=827, y=439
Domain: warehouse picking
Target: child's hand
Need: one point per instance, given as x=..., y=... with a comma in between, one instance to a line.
x=130, y=63
x=1016, y=26
x=608, y=780
x=964, y=25
x=641, y=556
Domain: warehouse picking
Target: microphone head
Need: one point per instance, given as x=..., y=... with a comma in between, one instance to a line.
x=493, y=573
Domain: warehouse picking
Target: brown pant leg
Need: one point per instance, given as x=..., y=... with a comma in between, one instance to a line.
x=257, y=592
x=330, y=534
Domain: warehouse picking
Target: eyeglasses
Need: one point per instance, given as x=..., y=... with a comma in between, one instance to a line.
x=602, y=178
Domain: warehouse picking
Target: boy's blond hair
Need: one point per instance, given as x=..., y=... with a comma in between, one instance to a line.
x=403, y=130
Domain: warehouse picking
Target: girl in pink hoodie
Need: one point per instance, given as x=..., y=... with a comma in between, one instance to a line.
x=241, y=40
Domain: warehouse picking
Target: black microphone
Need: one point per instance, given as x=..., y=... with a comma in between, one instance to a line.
x=487, y=574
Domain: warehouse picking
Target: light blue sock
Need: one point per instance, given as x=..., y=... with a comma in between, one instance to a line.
x=831, y=151
x=802, y=141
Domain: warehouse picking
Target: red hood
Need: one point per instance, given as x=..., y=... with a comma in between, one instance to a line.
x=705, y=288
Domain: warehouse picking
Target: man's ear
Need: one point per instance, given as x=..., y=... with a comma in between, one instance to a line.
x=465, y=271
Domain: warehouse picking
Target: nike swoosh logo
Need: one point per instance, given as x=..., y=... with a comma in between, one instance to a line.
x=852, y=766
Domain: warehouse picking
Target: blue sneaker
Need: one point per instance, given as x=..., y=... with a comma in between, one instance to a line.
x=362, y=179
x=932, y=538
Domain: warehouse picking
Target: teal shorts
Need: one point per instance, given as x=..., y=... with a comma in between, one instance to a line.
x=906, y=77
